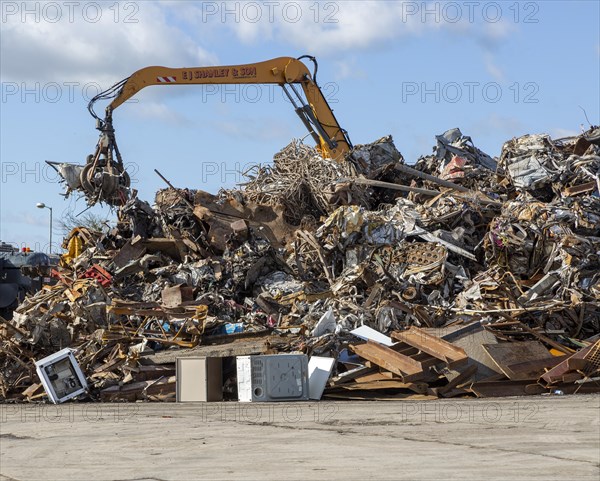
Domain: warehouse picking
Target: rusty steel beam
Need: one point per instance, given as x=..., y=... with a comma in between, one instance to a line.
x=432, y=345
x=388, y=359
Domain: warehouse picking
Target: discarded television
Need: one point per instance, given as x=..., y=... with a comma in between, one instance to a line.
x=276, y=377
x=61, y=376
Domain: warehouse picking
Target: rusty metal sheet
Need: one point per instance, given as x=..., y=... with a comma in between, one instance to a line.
x=505, y=388
x=534, y=369
x=586, y=360
x=505, y=354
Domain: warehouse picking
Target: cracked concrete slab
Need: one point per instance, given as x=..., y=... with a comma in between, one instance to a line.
x=510, y=438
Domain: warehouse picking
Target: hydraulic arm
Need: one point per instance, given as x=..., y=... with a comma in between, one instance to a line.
x=104, y=178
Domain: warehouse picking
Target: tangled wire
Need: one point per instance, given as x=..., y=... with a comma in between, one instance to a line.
x=300, y=180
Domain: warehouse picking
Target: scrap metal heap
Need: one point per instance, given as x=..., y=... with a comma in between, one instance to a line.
x=462, y=275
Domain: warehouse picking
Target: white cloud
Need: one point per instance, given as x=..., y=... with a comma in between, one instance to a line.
x=324, y=28
x=340, y=28
x=78, y=50
x=498, y=31
x=151, y=110
x=492, y=67
x=348, y=69
x=350, y=25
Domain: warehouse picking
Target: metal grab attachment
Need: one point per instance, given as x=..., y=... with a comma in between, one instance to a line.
x=103, y=178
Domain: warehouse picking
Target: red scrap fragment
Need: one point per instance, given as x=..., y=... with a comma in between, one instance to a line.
x=454, y=169
x=99, y=273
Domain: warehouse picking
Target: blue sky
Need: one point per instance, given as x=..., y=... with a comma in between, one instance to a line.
x=411, y=69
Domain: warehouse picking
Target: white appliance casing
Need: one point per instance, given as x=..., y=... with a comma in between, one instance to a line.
x=61, y=376
x=268, y=378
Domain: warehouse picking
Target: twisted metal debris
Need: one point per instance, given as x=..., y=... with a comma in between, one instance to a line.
x=309, y=250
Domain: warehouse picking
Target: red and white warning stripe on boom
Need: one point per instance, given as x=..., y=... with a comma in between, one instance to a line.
x=166, y=79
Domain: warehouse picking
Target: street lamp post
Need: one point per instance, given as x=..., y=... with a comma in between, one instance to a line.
x=41, y=205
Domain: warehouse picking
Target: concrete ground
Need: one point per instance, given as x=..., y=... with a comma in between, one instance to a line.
x=543, y=438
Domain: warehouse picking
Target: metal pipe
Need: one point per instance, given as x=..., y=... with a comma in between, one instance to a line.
x=422, y=175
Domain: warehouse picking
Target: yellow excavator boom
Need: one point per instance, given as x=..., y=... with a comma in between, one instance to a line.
x=104, y=178
x=284, y=71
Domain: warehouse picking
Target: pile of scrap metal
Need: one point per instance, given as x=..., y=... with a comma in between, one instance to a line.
x=463, y=275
